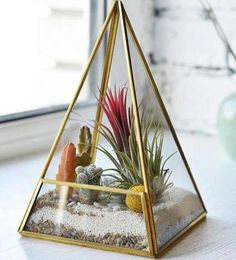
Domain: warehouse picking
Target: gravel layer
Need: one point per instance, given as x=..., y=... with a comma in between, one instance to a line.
x=49, y=228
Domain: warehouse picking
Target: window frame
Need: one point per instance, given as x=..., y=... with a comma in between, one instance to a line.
x=34, y=130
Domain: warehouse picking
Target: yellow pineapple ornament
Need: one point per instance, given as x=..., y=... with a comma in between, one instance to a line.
x=133, y=202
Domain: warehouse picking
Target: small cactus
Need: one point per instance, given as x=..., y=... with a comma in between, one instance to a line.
x=88, y=175
x=84, y=147
x=82, y=178
x=66, y=171
x=84, y=140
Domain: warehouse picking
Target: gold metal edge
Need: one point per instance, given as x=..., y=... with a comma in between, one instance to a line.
x=137, y=122
x=86, y=244
x=184, y=232
x=92, y=187
x=105, y=78
x=147, y=223
x=158, y=96
x=30, y=204
x=59, y=133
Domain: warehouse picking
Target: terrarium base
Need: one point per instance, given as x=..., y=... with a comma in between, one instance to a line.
x=177, y=210
x=112, y=224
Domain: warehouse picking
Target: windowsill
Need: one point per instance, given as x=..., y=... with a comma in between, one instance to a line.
x=33, y=134
x=213, y=172
x=32, y=113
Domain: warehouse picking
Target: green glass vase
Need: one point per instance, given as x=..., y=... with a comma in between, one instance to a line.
x=227, y=124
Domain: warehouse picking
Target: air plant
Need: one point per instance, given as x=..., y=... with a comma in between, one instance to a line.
x=129, y=172
x=123, y=140
x=120, y=117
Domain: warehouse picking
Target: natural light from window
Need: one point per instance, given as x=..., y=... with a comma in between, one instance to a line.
x=39, y=64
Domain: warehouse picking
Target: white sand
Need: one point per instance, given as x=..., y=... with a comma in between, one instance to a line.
x=121, y=222
x=178, y=209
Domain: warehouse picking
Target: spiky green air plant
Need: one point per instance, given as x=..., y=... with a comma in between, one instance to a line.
x=123, y=140
x=129, y=172
x=158, y=174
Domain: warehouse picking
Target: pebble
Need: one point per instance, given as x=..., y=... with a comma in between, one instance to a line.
x=116, y=207
x=55, y=196
x=48, y=227
x=111, y=205
x=75, y=197
x=97, y=205
x=71, y=204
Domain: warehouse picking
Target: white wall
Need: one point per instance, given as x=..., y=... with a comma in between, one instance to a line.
x=188, y=59
x=191, y=61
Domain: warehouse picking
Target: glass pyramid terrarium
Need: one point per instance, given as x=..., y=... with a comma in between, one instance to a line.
x=116, y=177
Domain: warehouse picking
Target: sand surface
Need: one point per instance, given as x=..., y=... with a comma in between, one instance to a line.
x=177, y=209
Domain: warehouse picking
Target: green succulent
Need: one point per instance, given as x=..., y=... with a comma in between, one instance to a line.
x=88, y=175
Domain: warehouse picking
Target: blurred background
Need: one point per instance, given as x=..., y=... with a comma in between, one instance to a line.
x=45, y=45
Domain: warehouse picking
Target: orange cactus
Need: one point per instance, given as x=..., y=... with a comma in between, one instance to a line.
x=66, y=170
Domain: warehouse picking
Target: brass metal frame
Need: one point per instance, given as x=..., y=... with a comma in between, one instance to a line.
x=138, y=125
x=105, y=78
x=116, y=13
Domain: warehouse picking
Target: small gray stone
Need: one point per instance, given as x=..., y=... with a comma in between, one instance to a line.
x=75, y=197
x=71, y=204
x=97, y=205
x=111, y=205
x=55, y=196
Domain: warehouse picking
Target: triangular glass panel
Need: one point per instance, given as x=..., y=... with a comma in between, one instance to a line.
x=177, y=201
x=116, y=177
